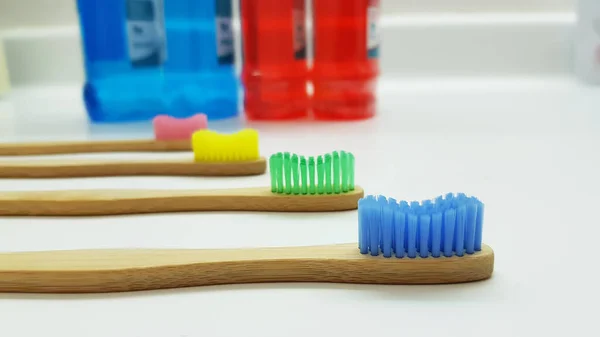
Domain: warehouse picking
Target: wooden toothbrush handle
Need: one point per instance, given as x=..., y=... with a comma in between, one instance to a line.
x=99, y=271
x=104, y=168
x=113, y=202
x=150, y=145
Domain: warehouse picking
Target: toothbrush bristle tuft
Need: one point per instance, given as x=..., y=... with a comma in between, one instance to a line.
x=446, y=226
x=332, y=173
x=212, y=146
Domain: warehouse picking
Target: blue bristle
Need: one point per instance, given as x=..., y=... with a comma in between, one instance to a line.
x=459, y=233
x=424, y=223
x=479, y=225
x=399, y=232
x=381, y=203
x=449, y=224
x=443, y=211
x=393, y=205
x=428, y=207
x=363, y=226
x=436, y=234
x=387, y=227
x=411, y=225
x=417, y=213
x=374, y=235
x=429, y=236
x=470, y=230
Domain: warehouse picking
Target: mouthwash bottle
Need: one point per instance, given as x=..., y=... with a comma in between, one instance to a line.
x=149, y=57
x=346, y=58
x=275, y=71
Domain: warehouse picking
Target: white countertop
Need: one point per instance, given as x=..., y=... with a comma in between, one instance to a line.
x=527, y=147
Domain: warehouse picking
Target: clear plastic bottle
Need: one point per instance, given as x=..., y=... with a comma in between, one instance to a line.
x=4, y=80
x=587, y=41
x=346, y=61
x=150, y=57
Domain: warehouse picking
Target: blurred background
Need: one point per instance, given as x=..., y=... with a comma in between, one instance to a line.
x=420, y=40
x=426, y=38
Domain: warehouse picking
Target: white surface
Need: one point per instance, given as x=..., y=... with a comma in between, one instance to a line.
x=527, y=147
x=516, y=44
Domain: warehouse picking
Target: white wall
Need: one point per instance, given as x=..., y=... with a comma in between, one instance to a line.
x=35, y=13
x=28, y=13
x=399, y=6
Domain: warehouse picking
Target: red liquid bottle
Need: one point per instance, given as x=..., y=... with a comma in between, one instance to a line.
x=346, y=64
x=275, y=70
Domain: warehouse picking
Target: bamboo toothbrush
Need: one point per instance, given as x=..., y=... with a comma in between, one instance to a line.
x=215, y=154
x=298, y=184
x=417, y=243
x=170, y=134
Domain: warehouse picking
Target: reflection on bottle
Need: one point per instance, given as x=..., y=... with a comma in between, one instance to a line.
x=146, y=33
x=373, y=29
x=225, y=43
x=299, y=17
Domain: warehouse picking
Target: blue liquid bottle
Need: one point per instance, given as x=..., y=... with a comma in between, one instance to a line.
x=150, y=57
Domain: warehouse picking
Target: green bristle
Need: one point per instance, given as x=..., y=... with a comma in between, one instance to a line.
x=296, y=175
x=327, y=169
x=344, y=160
x=303, y=174
x=350, y=172
x=273, y=169
x=311, y=166
x=300, y=175
x=336, y=173
x=287, y=168
x=321, y=173
x=279, y=172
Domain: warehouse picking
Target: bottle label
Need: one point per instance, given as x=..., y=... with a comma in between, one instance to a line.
x=373, y=29
x=225, y=40
x=299, y=22
x=146, y=32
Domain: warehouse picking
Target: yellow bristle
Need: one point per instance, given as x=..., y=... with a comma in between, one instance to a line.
x=211, y=146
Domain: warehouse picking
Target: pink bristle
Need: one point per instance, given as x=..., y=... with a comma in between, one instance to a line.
x=171, y=128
